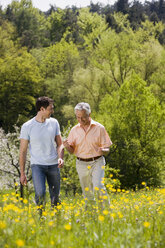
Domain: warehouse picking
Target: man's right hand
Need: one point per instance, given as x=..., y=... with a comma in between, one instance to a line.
x=68, y=147
x=66, y=143
x=23, y=179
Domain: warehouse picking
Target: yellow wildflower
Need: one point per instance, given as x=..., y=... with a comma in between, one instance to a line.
x=20, y=242
x=2, y=224
x=67, y=227
x=146, y=224
x=105, y=212
x=120, y=215
x=25, y=201
x=113, y=215
x=44, y=213
x=50, y=223
x=59, y=207
x=96, y=188
x=101, y=218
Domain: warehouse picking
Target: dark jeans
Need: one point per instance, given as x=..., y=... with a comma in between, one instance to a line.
x=41, y=173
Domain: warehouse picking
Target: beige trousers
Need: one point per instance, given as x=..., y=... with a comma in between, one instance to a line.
x=91, y=175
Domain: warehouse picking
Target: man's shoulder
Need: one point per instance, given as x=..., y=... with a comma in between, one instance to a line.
x=29, y=122
x=75, y=127
x=53, y=121
x=96, y=123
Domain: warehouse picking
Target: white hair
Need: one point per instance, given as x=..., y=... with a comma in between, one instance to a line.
x=83, y=106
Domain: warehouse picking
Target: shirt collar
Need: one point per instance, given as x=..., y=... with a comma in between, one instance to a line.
x=91, y=123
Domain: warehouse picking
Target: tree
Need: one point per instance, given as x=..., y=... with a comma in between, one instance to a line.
x=135, y=122
x=136, y=14
x=157, y=81
x=7, y=37
x=149, y=59
x=91, y=27
x=71, y=25
x=57, y=64
x=19, y=85
x=161, y=10
x=89, y=85
x=30, y=23
x=56, y=25
x=116, y=56
x=122, y=6
x=9, y=166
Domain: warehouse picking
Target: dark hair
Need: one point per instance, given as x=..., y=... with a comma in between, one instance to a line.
x=43, y=101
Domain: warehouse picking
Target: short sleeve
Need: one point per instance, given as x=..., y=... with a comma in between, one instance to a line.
x=105, y=139
x=71, y=138
x=24, y=133
x=58, y=132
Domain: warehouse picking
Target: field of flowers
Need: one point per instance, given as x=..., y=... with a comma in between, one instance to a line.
x=133, y=220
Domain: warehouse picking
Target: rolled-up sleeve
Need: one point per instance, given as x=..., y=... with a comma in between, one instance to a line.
x=105, y=139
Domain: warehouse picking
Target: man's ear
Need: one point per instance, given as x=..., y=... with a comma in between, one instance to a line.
x=42, y=108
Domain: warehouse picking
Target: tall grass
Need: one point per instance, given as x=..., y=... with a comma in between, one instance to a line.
x=132, y=220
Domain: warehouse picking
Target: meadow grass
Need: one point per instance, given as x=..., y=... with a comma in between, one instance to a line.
x=133, y=220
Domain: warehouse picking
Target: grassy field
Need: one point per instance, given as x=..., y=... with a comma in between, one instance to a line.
x=133, y=220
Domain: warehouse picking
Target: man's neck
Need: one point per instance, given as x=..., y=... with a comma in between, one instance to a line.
x=85, y=127
x=40, y=118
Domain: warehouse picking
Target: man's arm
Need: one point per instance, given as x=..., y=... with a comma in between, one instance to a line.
x=105, y=142
x=22, y=160
x=105, y=150
x=60, y=150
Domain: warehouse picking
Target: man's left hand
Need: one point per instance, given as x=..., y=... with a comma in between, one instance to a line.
x=60, y=163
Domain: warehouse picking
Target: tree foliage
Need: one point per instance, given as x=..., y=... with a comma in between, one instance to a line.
x=135, y=122
x=19, y=80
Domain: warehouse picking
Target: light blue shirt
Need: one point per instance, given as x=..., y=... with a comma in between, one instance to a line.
x=41, y=138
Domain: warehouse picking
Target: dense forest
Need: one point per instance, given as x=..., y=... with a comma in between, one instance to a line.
x=110, y=56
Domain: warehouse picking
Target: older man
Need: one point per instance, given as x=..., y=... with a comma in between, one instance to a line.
x=89, y=141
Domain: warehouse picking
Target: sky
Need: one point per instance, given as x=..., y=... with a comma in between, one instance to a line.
x=44, y=5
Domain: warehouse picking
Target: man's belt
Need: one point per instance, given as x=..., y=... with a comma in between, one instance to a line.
x=88, y=159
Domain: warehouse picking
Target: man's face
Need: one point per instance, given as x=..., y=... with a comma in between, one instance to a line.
x=47, y=112
x=82, y=117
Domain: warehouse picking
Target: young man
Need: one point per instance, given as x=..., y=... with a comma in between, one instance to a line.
x=89, y=141
x=41, y=133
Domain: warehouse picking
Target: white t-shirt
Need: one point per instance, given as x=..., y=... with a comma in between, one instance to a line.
x=41, y=138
